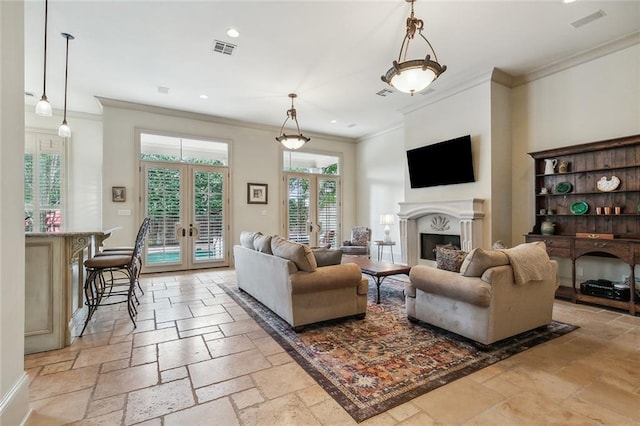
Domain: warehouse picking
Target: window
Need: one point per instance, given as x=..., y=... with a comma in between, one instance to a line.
x=44, y=165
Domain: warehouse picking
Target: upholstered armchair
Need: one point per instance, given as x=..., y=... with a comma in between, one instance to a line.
x=358, y=244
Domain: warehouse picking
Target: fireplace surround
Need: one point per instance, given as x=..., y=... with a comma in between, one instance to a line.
x=454, y=217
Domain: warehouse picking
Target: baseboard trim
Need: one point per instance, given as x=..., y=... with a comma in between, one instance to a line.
x=14, y=406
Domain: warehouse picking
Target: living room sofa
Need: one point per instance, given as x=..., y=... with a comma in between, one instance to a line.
x=495, y=295
x=299, y=286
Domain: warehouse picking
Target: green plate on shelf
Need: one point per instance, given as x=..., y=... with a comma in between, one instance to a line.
x=579, y=207
x=563, y=187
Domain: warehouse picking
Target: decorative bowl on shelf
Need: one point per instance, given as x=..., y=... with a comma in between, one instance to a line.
x=563, y=187
x=608, y=185
x=579, y=207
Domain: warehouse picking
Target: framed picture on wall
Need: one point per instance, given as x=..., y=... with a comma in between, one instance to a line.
x=118, y=194
x=257, y=193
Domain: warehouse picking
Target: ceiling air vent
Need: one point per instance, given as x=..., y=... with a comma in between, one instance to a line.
x=384, y=92
x=222, y=47
x=588, y=19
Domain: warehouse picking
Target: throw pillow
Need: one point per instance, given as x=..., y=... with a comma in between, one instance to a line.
x=299, y=254
x=326, y=257
x=246, y=239
x=499, y=245
x=262, y=243
x=449, y=259
x=479, y=260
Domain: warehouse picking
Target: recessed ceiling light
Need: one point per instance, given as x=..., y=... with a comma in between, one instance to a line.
x=233, y=33
x=163, y=89
x=203, y=96
x=334, y=121
x=568, y=1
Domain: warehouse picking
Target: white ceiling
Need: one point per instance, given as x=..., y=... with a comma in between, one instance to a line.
x=331, y=53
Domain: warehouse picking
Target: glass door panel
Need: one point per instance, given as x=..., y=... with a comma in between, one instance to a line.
x=298, y=209
x=187, y=208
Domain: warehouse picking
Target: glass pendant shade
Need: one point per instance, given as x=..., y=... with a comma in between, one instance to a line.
x=412, y=77
x=292, y=142
x=43, y=107
x=64, y=130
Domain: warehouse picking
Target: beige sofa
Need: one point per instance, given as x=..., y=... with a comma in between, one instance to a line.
x=285, y=277
x=496, y=294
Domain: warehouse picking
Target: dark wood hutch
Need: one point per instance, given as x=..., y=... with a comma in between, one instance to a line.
x=589, y=183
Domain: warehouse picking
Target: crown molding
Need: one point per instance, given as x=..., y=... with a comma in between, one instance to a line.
x=134, y=106
x=579, y=58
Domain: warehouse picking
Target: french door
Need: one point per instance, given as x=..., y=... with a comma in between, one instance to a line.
x=313, y=208
x=187, y=205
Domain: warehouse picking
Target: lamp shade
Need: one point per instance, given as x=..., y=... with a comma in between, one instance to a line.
x=64, y=130
x=387, y=219
x=43, y=108
x=292, y=141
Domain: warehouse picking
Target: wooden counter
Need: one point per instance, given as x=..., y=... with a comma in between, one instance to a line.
x=54, y=279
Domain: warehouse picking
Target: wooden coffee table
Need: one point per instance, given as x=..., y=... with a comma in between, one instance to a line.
x=377, y=270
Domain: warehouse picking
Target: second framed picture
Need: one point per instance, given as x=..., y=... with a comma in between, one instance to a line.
x=257, y=193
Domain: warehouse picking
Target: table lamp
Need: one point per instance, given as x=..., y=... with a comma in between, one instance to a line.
x=387, y=219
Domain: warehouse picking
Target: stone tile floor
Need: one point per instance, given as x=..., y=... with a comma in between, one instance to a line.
x=196, y=358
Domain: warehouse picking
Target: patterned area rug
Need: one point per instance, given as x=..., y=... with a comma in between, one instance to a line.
x=369, y=366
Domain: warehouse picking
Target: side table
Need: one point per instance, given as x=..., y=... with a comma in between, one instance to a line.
x=381, y=245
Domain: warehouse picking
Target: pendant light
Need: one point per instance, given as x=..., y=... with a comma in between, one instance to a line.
x=292, y=141
x=411, y=76
x=64, y=130
x=43, y=107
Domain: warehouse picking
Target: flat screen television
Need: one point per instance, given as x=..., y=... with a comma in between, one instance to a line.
x=444, y=163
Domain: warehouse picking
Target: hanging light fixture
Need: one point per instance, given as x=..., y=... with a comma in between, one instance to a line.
x=410, y=76
x=43, y=107
x=292, y=141
x=64, y=130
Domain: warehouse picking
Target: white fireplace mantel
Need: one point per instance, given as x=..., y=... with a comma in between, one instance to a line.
x=469, y=212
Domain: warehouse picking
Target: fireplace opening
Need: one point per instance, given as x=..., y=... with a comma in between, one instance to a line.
x=428, y=243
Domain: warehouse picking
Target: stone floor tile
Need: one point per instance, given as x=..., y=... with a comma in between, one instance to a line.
x=228, y=387
x=247, y=398
x=59, y=410
x=280, y=358
x=227, y=367
x=173, y=313
x=182, y=352
x=64, y=382
x=283, y=379
x=99, y=407
x=155, y=401
x=404, y=411
x=239, y=327
x=115, y=365
x=612, y=398
x=101, y=354
x=212, y=336
x=205, y=321
x=215, y=413
x=126, y=380
x=285, y=410
x=200, y=331
x=157, y=336
x=109, y=419
x=208, y=310
x=312, y=395
x=144, y=355
x=56, y=368
x=268, y=346
x=173, y=374
x=51, y=357
x=420, y=419
x=229, y=345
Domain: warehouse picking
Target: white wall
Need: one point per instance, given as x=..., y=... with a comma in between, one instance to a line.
x=13, y=380
x=255, y=157
x=83, y=208
x=596, y=100
x=380, y=183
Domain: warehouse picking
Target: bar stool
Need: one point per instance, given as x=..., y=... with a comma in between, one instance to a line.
x=102, y=291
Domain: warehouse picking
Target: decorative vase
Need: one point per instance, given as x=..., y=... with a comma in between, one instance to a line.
x=547, y=227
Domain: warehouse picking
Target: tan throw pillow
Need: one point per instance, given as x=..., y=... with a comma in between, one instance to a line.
x=449, y=259
x=262, y=243
x=479, y=260
x=327, y=257
x=246, y=239
x=299, y=254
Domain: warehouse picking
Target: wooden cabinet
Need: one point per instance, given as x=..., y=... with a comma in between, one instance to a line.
x=592, y=215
